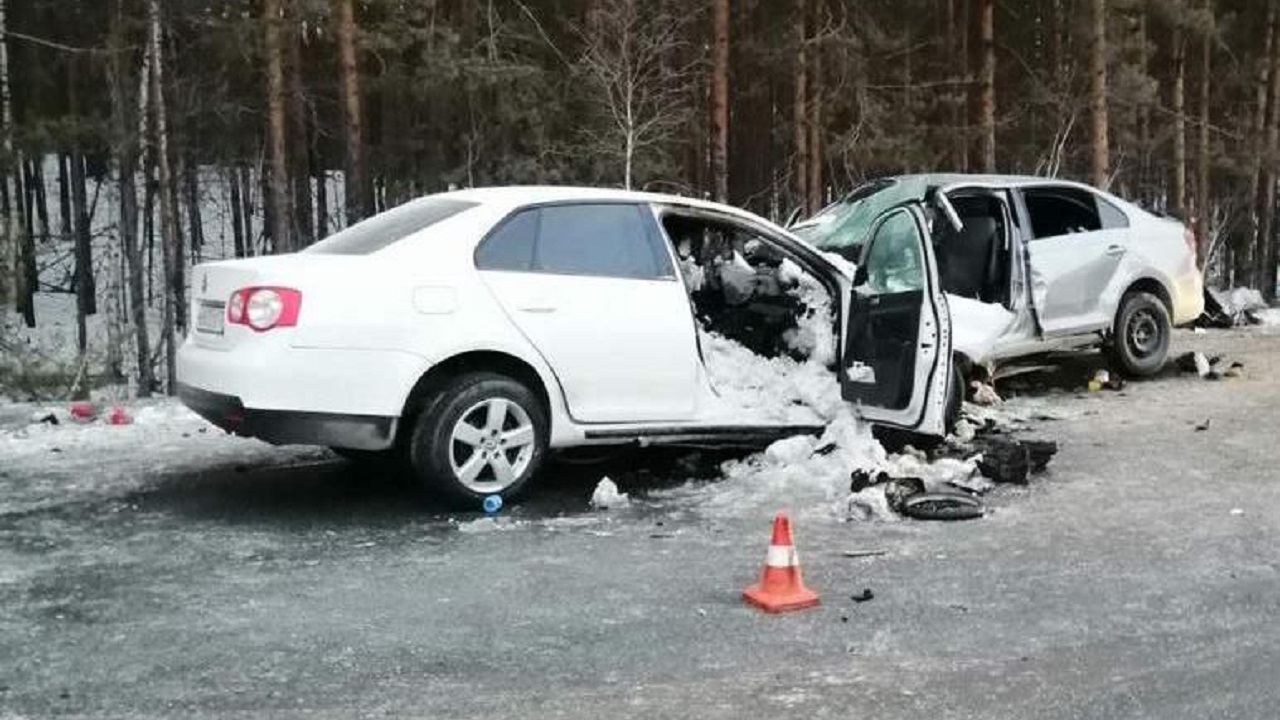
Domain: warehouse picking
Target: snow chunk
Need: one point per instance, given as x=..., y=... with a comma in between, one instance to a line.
x=607, y=497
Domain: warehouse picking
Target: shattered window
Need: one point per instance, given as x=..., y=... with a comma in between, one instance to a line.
x=1061, y=211
x=893, y=262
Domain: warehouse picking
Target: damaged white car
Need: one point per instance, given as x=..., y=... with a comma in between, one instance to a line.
x=475, y=332
x=1034, y=265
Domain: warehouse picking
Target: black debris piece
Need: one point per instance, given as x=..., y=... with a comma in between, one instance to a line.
x=943, y=506
x=1040, y=452
x=898, y=490
x=1215, y=315
x=49, y=419
x=863, y=596
x=1003, y=460
x=861, y=480
x=1201, y=427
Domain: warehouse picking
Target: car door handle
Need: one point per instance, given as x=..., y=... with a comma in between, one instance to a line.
x=1115, y=250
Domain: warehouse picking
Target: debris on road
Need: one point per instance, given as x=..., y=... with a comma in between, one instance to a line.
x=1209, y=368
x=1201, y=427
x=1238, y=307
x=984, y=393
x=943, y=506
x=863, y=596
x=863, y=553
x=607, y=497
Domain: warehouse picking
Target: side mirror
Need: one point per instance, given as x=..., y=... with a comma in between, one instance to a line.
x=860, y=276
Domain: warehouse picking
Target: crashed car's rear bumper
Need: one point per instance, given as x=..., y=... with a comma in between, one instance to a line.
x=283, y=427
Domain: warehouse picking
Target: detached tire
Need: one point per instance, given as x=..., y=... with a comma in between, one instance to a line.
x=1140, y=338
x=484, y=434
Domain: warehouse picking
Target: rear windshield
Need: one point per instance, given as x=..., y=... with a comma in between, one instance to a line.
x=371, y=235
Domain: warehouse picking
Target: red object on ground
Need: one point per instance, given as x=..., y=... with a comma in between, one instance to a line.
x=82, y=411
x=119, y=416
x=781, y=589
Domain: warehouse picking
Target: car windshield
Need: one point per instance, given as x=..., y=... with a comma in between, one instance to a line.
x=371, y=235
x=841, y=227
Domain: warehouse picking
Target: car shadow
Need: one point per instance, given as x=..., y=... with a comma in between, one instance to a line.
x=1071, y=374
x=337, y=493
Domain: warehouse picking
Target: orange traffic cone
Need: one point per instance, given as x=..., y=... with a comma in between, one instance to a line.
x=780, y=588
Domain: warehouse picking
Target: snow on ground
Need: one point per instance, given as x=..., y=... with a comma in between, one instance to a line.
x=42, y=463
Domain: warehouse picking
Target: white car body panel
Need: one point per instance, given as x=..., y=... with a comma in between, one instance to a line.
x=617, y=359
x=640, y=363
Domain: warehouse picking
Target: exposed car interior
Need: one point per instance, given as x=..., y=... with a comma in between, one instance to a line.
x=736, y=284
x=974, y=262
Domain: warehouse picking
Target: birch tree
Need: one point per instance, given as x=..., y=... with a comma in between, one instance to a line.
x=643, y=100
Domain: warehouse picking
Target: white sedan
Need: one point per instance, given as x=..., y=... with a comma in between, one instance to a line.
x=1036, y=265
x=474, y=332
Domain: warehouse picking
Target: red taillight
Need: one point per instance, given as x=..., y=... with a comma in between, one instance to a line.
x=264, y=308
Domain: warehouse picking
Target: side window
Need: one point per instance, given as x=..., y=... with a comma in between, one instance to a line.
x=608, y=240
x=510, y=246
x=1061, y=211
x=1112, y=216
x=893, y=261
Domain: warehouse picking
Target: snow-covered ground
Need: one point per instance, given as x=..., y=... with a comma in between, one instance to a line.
x=42, y=462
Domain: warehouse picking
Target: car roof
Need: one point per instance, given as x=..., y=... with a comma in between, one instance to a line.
x=944, y=179
x=518, y=195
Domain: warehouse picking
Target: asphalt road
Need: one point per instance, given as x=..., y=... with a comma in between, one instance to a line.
x=1138, y=578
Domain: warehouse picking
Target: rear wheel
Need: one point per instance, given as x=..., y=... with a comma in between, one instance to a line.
x=484, y=434
x=1140, y=338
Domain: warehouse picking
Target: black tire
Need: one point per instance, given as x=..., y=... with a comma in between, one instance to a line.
x=1140, y=338
x=435, y=451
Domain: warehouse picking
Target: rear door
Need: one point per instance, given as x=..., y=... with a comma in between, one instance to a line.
x=593, y=288
x=1078, y=241
x=897, y=345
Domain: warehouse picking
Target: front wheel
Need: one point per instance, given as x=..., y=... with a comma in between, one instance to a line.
x=484, y=434
x=1140, y=339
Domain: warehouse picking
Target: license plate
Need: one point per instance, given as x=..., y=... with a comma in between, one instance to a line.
x=210, y=317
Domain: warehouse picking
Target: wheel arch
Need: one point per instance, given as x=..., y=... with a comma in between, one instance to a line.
x=470, y=361
x=1149, y=285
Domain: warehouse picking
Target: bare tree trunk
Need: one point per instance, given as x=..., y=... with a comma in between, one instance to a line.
x=1100, y=149
x=720, y=100
x=799, y=109
x=988, y=102
x=1202, y=211
x=246, y=196
x=85, y=283
x=277, y=181
x=27, y=277
x=195, y=224
x=322, y=195
x=957, y=50
x=66, y=228
x=1266, y=251
x=169, y=240
x=10, y=232
x=299, y=149
x=1179, y=199
x=815, y=115
x=237, y=221
x=126, y=152
x=359, y=189
x=1245, y=253
x=41, y=198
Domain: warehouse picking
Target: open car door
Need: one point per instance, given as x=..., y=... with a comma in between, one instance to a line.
x=897, y=347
